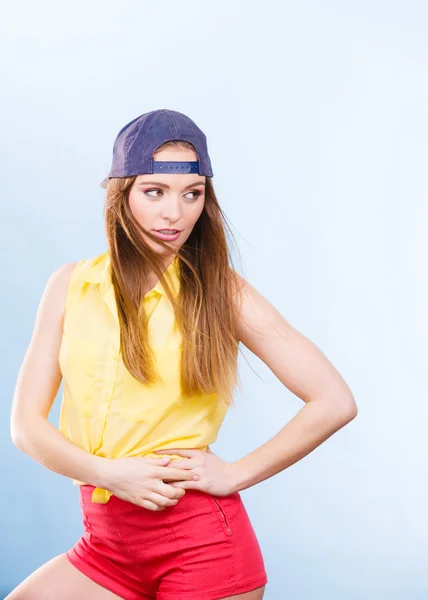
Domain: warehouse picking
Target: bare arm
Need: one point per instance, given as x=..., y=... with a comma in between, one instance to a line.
x=305, y=371
x=140, y=480
x=37, y=386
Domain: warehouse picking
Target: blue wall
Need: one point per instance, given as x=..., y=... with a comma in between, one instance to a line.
x=317, y=128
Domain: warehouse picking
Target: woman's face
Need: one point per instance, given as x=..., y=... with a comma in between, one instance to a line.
x=168, y=201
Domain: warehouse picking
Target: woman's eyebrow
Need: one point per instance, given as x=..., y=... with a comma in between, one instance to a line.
x=164, y=185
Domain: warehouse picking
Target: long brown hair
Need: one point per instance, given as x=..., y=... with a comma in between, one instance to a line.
x=204, y=309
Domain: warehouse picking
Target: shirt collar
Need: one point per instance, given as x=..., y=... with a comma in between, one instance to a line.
x=99, y=272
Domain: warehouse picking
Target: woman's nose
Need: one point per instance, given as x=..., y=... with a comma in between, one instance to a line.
x=171, y=210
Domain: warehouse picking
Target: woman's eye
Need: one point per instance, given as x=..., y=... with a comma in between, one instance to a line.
x=194, y=192
x=147, y=192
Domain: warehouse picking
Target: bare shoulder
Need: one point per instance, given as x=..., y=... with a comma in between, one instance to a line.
x=48, y=324
x=257, y=316
x=55, y=292
x=40, y=375
x=61, y=276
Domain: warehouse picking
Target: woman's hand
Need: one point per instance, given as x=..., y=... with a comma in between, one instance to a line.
x=215, y=475
x=141, y=480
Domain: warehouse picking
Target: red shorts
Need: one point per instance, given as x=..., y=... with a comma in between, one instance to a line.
x=202, y=548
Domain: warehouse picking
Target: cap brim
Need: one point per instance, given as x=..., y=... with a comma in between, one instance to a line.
x=104, y=183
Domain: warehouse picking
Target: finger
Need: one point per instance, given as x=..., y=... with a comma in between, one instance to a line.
x=160, y=500
x=147, y=504
x=177, y=485
x=168, y=491
x=186, y=485
x=169, y=473
x=185, y=463
x=158, y=461
x=179, y=452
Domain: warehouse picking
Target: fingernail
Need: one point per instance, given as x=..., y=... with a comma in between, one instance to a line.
x=195, y=477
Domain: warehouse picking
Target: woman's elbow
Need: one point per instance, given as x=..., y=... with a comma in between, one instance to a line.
x=22, y=430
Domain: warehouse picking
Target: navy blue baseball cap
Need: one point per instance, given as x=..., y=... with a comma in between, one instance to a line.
x=137, y=141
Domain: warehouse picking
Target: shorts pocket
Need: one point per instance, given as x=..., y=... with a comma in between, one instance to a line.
x=81, y=366
x=220, y=505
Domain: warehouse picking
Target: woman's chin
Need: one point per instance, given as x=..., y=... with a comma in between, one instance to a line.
x=158, y=248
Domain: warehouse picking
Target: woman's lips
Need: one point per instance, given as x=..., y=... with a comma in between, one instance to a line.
x=168, y=238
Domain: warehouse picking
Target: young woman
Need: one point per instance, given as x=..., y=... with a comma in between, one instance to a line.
x=145, y=337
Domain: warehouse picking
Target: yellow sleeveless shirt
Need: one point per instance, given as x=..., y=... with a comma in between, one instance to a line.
x=104, y=409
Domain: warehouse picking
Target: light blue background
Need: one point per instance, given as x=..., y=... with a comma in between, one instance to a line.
x=316, y=117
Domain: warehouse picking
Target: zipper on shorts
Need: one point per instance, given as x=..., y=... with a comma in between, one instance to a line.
x=223, y=514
